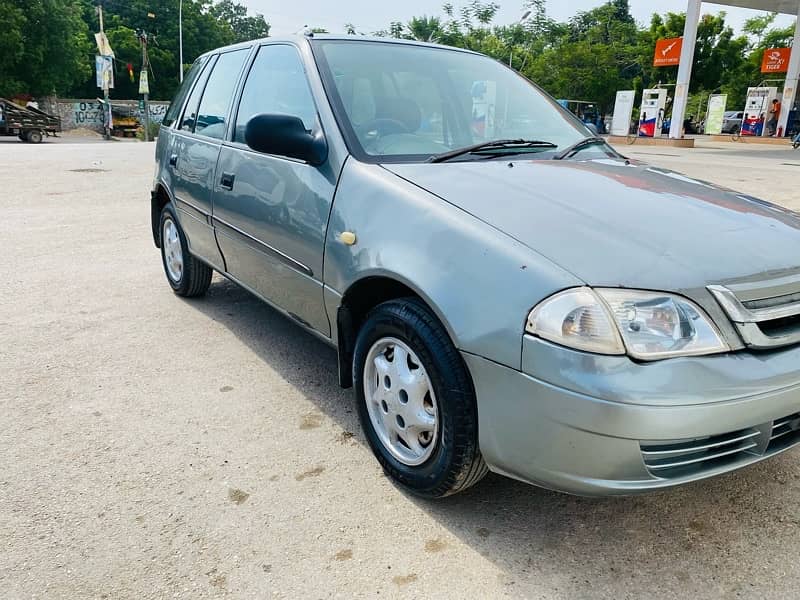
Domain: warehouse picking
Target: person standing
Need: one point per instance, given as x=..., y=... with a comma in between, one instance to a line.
x=774, y=114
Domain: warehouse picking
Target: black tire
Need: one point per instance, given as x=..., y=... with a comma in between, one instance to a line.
x=456, y=462
x=34, y=136
x=195, y=277
x=23, y=137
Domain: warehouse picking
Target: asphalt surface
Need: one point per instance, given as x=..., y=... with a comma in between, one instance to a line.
x=152, y=447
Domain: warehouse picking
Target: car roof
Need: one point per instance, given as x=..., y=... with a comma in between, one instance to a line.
x=297, y=39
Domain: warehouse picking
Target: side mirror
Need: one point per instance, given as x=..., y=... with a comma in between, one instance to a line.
x=285, y=135
x=593, y=128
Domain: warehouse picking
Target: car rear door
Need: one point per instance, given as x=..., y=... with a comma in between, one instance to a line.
x=271, y=212
x=195, y=150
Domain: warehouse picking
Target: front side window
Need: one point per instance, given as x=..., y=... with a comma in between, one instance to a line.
x=407, y=102
x=175, y=107
x=276, y=84
x=190, y=113
x=218, y=94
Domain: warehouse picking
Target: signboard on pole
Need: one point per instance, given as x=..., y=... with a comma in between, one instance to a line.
x=668, y=52
x=623, y=109
x=144, y=86
x=103, y=47
x=716, y=113
x=104, y=66
x=776, y=60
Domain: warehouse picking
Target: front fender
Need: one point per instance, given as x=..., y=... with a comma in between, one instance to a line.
x=480, y=282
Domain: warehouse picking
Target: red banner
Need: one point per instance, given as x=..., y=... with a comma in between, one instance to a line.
x=668, y=52
x=776, y=60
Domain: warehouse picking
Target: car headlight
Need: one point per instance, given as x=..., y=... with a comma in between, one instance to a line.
x=576, y=318
x=646, y=325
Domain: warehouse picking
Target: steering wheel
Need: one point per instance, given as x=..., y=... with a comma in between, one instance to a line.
x=384, y=126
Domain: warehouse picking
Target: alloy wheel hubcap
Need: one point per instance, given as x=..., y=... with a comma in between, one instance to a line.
x=173, y=253
x=400, y=401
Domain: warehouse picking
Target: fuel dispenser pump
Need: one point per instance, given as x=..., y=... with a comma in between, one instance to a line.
x=651, y=116
x=756, y=110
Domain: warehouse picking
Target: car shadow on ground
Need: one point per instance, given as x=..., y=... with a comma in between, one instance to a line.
x=702, y=537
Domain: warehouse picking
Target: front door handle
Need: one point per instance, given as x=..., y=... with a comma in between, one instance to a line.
x=227, y=181
x=173, y=160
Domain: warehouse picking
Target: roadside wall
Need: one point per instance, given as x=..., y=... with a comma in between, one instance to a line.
x=86, y=113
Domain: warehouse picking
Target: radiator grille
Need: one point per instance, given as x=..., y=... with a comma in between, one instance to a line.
x=672, y=459
x=765, y=319
x=678, y=458
x=785, y=432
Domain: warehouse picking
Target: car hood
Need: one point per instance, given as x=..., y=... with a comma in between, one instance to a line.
x=616, y=223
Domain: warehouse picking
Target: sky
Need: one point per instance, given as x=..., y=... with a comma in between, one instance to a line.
x=289, y=16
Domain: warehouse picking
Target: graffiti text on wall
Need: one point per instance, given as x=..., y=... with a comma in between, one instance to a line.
x=157, y=112
x=86, y=113
x=89, y=114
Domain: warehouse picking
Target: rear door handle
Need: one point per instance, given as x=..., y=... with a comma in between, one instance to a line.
x=227, y=181
x=173, y=160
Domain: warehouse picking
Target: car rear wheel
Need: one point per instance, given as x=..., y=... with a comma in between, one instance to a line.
x=35, y=136
x=416, y=402
x=187, y=275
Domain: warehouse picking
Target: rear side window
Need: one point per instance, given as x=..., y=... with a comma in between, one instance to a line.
x=175, y=108
x=218, y=94
x=276, y=84
x=190, y=114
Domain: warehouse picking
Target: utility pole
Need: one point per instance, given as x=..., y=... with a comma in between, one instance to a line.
x=107, y=105
x=520, y=23
x=144, y=84
x=180, y=39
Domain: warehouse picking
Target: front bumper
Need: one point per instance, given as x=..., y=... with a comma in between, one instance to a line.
x=602, y=425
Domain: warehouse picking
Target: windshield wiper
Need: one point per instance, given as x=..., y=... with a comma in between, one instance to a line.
x=521, y=145
x=577, y=146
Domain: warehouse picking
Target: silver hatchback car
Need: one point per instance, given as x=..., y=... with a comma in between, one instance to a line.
x=506, y=292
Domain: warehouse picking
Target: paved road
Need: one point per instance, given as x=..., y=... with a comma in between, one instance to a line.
x=152, y=447
x=765, y=171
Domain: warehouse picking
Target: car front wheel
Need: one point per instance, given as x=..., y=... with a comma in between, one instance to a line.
x=416, y=402
x=187, y=275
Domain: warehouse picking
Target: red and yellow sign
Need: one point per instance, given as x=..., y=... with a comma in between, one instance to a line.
x=668, y=52
x=776, y=60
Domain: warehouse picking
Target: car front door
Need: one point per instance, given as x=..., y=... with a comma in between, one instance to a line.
x=195, y=150
x=270, y=213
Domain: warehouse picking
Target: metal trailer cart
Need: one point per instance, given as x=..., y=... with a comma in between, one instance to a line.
x=28, y=123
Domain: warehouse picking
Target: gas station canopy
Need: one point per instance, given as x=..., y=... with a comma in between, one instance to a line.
x=789, y=7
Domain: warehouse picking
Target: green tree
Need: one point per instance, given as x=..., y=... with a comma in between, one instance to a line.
x=748, y=74
x=600, y=51
x=206, y=25
x=44, y=47
x=758, y=27
x=244, y=27
x=425, y=29
x=12, y=47
x=589, y=58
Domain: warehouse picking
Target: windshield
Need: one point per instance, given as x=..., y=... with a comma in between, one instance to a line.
x=401, y=102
